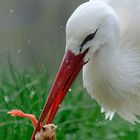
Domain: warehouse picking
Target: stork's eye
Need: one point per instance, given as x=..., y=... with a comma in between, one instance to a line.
x=88, y=38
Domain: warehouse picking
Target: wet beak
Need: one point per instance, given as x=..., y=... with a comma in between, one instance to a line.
x=69, y=69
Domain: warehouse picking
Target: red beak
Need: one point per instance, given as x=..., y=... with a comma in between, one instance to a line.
x=69, y=69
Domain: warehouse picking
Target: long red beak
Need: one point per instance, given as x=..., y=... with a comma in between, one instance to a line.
x=69, y=69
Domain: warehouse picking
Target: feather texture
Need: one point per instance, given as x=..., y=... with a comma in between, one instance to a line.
x=112, y=77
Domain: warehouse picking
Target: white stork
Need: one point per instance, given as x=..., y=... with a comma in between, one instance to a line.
x=103, y=37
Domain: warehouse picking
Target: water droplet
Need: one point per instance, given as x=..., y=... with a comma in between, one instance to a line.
x=102, y=110
x=27, y=76
x=6, y=98
x=70, y=90
x=61, y=26
x=29, y=41
x=19, y=51
x=11, y=10
x=44, y=68
x=32, y=94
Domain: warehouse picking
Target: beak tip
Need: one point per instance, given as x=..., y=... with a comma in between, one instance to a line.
x=69, y=69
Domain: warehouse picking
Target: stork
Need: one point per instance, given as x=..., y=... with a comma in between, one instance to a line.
x=103, y=38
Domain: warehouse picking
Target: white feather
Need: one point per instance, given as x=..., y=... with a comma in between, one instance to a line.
x=112, y=75
x=115, y=81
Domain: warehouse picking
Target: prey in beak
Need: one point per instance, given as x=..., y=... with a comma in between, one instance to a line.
x=47, y=132
x=69, y=69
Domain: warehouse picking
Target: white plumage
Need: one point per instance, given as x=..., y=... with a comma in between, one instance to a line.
x=112, y=75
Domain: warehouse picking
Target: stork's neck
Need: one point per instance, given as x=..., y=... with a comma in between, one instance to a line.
x=109, y=56
x=111, y=68
x=106, y=67
x=112, y=75
x=111, y=52
x=103, y=73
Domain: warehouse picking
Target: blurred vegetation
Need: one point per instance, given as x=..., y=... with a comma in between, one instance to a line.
x=32, y=32
x=78, y=117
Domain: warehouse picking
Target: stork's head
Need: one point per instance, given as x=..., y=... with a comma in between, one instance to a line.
x=92, y=25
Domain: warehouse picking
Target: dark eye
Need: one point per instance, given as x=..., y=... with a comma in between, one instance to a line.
x=88, y=38
x=52, y=127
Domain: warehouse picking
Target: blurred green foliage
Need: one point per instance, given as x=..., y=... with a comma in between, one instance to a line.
x=32, y=32
x=79, y=116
